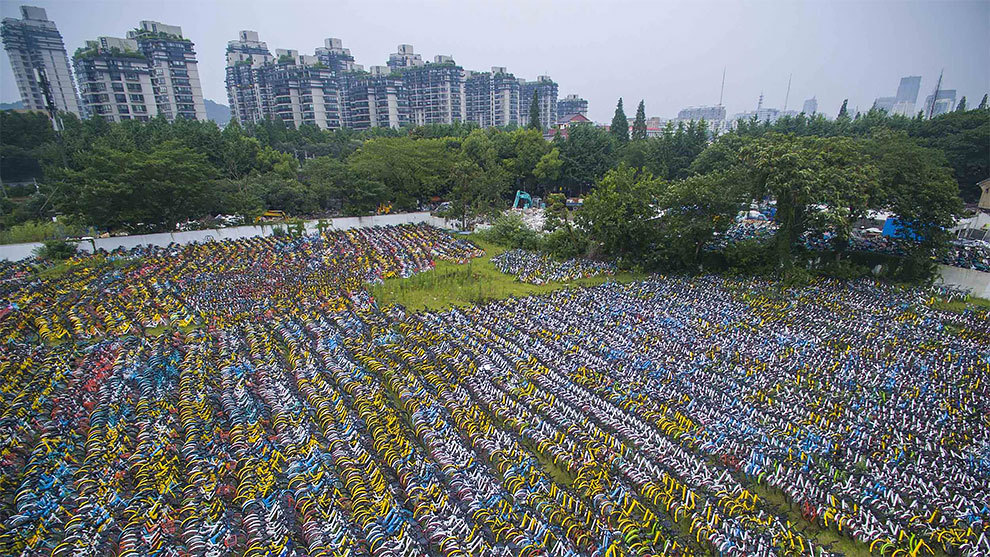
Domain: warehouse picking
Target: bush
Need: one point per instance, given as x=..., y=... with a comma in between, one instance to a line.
x=566, y=243
x=37, y=231
x=511, y=232
x=56, y=250
x=749, y=257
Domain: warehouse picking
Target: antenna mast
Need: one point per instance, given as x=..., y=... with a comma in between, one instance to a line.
x=931, y=107
x=788, y=95
x=722, y=91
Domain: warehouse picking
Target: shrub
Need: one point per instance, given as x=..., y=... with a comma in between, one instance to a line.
x=56, y=250
x=511, y=232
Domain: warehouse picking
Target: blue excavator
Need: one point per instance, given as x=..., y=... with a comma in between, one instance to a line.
x=525, y=201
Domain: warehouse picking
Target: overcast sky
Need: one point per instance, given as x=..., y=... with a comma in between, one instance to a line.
x=670, y=54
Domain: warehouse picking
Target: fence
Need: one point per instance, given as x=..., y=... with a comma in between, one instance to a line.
x=14, y=252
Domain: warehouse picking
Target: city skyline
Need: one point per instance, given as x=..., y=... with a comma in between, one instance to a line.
x=684, y=79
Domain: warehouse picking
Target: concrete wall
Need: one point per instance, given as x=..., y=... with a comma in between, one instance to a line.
x=977, y=282
x=14, y=252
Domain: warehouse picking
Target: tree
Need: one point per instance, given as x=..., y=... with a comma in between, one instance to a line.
x=961, y=107
x=620, y=125
x=547, y=171
x=694, y=210
x=639, y=124
x=138, y=190
x=844, y=111
x=917, y=185
x=476, y=193
x=412, y=170
x=587, y=154
x=618, y=214
x=983, y=103
x=819, y=184
x=534, y=112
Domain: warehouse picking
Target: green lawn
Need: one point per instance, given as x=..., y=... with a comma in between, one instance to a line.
x=450, y=284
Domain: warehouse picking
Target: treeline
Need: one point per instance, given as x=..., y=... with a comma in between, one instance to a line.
x=138, y=177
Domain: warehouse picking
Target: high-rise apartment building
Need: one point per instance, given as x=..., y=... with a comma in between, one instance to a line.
x=810, y=106
x=436, y=91
x=404, y=58
x=571, y=104
x=377, y=101
x=175, y=72
x=37, y=54
x=334, y=56
x=115, y=80
x=492, y=98
x=245, y=57
x=299, y=90
x=330, y=91
x=546, y=99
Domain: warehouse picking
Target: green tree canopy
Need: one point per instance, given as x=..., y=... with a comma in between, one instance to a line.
x=620, y=125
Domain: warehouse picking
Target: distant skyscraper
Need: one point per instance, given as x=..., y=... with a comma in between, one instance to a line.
x=708, y=113
x=36, y=51
x=945, y=102
x=571, y=104
x=907, y=96
x=810, y=106
x=885, y=104
x=546, y=100
x=115, y=80
x=907, y=90
x=175, y=72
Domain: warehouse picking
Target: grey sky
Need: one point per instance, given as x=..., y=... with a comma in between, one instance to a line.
x=670, y=54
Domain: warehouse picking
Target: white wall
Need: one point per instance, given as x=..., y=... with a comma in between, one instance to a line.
x=14, y=252
x=977, y=282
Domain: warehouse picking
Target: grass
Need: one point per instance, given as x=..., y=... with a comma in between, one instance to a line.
x=454, y=285
x=959, y=306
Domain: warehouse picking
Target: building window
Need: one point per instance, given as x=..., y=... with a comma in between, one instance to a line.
x=120, y=97
x=122, y=109
x=137, y=98
x=117, y=87
x=134, y=87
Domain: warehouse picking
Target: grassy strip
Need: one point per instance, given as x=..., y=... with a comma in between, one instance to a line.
x=974, y=303
x=453, y=285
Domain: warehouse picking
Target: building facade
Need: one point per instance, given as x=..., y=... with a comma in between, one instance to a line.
x=907, y=95
x=377, y=102
x=175, y=72
x=546, y=98
x=37, y=54
x=330, y=91
x=436, y=92
x=492, y=98
x=245, y=57
x=115, y=80
x=571, y=104
x=810, y=106
x=945, y=102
